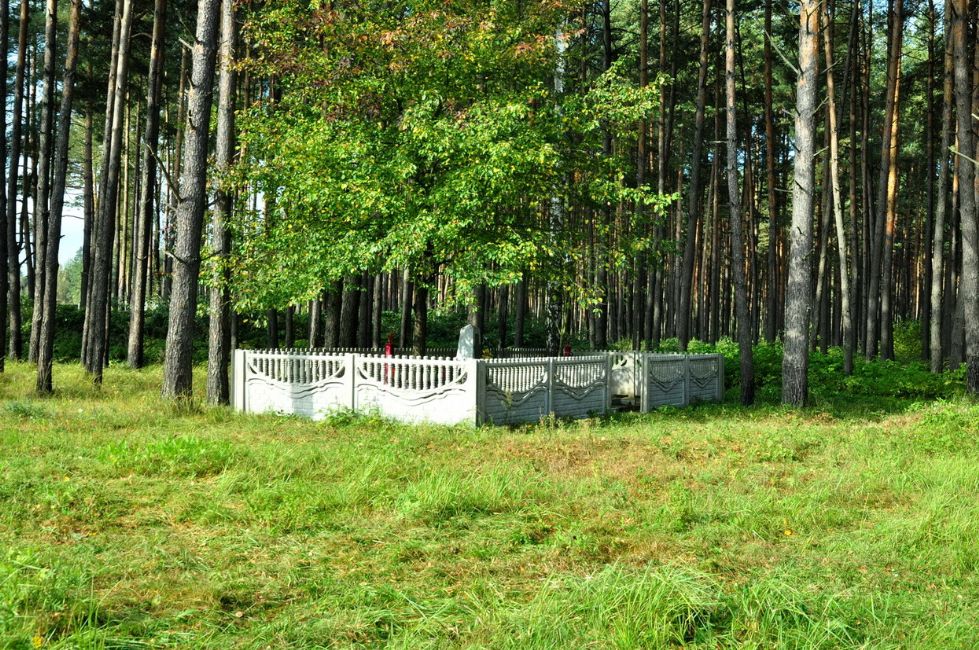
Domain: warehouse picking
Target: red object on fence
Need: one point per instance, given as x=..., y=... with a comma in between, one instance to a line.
x=388, y=352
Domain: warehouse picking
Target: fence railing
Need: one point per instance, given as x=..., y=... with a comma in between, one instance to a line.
x=444, y=390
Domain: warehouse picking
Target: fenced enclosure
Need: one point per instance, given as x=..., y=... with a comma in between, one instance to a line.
x=475, y=391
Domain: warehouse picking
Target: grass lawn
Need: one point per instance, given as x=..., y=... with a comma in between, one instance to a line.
x=127, y=522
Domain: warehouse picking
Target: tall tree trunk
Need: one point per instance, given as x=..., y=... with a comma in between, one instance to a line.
x=169, y=230
x=520, y=315
x=16, y=345
x=771, y=319
x=46, y=345
x=219, y=330
x=42, y=207
x=641, y=162
x=926, y=250
x=332, y=302
x=88, y=199
x=890, y=225
x=315, y=316
x=178, y=362
x=97, y=310
x=7, y=248
x=969, y=287
x=694, y=208
x=377, y=311
x=798, y=294
x=941, y=202
x=349, y=311
x=407, y=293
x=834, y=169
x=734, y=199
x=419, y=336
x=872, y=314
x=503, y=317
x=144, y=217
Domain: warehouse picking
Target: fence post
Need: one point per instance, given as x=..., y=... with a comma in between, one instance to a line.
x=720, y=377
x=608, y=383
x=238, y=370
x=351, y=361
x=549, y=405
x=686, y=379
x=477, y=383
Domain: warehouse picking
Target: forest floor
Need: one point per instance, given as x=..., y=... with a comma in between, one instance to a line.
x=129, y=522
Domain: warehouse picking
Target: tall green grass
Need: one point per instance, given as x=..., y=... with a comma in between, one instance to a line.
x=127, y=522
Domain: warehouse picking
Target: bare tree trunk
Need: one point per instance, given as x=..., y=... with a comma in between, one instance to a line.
x=969, y=287
x=349, y=312
x=332, y=303
x=872, y=314
x=734, y=199
x=771, y=319
x=46, y=344
x=520, y=315
x=419, y=336
x=168, y=230
x=798, y=294
x=407, y=293
x=890, y=225
x=97, y=309
x=641, y=162
x=941, y=202
x=9, y=233
x=377, y=311
x=834, y=167
x=88, y=180
x=503, y=317
x=219, y=331
x=924, y=307
x=42, y=207
x=7, y=196
x=178, y=362
x=315, y=316
x=694, y=208
x=144, y=218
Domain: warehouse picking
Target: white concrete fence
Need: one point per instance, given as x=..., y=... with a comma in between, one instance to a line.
x=475, y=391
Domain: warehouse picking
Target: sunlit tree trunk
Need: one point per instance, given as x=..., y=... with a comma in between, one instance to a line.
x=96, y=316
x=798, y=294
x=42, y=206
x=219, y=331
x=873, y=312
x=144, y=213
x=737, y=249
x=189, y=219
x=60, y=162
x=938, y=260
x=969, y=288
x=834, y=167
x=694, y=208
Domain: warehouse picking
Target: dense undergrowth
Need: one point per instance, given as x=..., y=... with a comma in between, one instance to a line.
x=129, y=522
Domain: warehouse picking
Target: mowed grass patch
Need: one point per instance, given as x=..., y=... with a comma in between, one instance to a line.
x=125, y=521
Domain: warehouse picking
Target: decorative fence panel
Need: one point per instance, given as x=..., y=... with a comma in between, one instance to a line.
x=580, y=386
x=516, y=391
x=525, y=390
x=705, y=378
x=663, y=380
x=450, y=391
x=414, y=389
x=305, y=384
